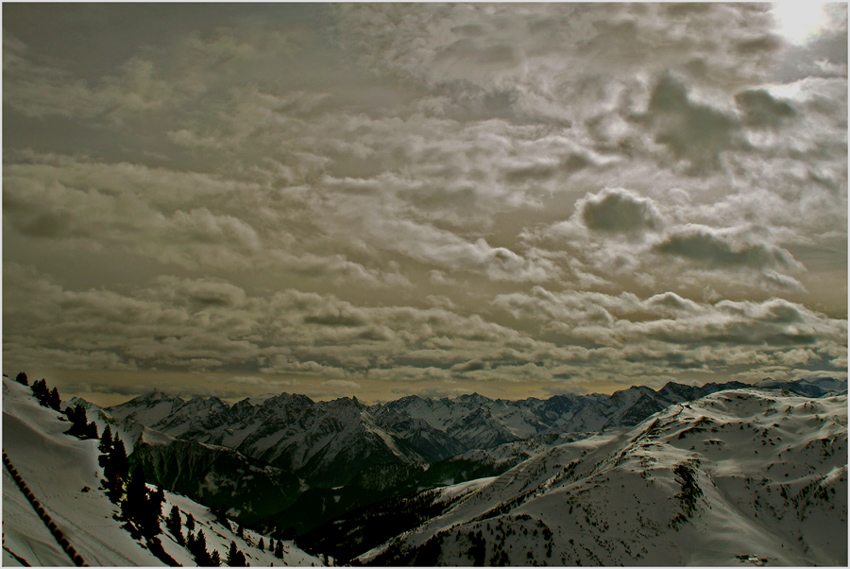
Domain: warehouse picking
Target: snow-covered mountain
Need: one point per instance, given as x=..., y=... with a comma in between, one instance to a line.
x=325, y=445
x=313, y=439
x=61, y=473
x=739, y=476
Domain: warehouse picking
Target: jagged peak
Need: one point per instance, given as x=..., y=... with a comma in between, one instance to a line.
x=154, y=396
x=344, y=402
x=285, y=399
x=412, y=398
x=472, y=398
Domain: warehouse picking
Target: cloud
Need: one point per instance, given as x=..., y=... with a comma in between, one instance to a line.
x=724, y=249
x=545, y=56
x=341, y=384
x=761, y=109
x=487, y=193
x=157, y=81
x=693, y=131
x=618, y=211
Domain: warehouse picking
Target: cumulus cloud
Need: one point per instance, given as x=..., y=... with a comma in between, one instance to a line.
x=711, y=247
x=760, y=108
x=619, y=211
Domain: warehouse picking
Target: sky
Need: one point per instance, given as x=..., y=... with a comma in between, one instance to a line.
x=376, y=200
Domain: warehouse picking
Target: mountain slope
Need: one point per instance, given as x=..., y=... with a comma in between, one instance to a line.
x=63, y=473
x=736, y=474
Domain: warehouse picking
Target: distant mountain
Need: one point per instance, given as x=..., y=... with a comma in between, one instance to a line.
x=739, y=476
x=807, y=387
x=63, y=475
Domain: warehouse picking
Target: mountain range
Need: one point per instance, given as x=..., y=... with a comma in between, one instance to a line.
x=722, y=474
x=321, y=459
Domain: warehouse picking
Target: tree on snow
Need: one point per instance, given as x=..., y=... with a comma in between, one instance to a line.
x=54, y=401
x=235, y=558
x=175, y=525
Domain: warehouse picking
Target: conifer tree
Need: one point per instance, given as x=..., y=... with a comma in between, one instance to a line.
x=157, y=500
x=235, y=558
x=151, y=512
x=116, y=470
x=105, y=441
x=215, y=559
x=190, y=523
x=22, y=379
x=278, y=552
x=202, y=558
x=40, y=392
x=71, y=413
x=262, y=545
x=174, y=525
x=133, y=507
x=54, y=401
x=91, y=431
x=105, y=447
x=220, y=515
x=79, y=426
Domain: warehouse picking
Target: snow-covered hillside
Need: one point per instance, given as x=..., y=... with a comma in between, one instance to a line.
x=752, y=476
x=63, y=474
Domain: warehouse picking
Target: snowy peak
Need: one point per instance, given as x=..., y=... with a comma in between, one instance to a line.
x=808, y=387
x=472, y=399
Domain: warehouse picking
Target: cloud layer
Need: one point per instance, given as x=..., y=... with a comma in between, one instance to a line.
x=373, y=197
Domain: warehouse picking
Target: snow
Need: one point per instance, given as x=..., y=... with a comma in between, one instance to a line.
x=57, y=468
x=455, y=490
x=736, y=475
x=24, y=533
x=64, y=475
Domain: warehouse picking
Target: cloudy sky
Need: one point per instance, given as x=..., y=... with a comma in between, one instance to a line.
x=381, y=199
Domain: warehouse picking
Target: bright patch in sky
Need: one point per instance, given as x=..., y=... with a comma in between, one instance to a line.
x=800, y=22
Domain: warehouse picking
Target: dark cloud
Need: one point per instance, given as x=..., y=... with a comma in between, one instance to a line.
x=619, y=211
x=722, y=249
x=693, y=131
x=761, y=109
